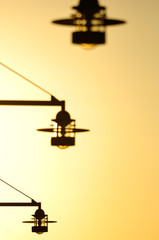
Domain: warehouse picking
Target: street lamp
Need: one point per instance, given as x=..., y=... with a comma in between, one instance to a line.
x=65, y=130
x=40, y=219
x=90, y=21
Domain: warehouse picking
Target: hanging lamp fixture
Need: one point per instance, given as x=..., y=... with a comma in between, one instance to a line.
x=65, y=128
x=90, y=21
x=40, y=219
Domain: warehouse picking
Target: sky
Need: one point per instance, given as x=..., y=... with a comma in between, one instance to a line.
x=107, y=186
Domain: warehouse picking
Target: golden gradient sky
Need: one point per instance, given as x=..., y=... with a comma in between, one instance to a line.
x=107, y=186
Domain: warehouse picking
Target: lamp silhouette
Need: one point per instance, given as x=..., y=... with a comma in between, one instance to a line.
x=90, y=21
x=65, y=125
x=64, y=130
x=40, y=218
x=40, y=221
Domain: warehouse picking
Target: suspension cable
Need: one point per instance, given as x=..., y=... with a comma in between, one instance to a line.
x=15, y=188
x=10, y=69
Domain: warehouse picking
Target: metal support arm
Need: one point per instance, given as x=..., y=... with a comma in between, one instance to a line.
x=52, y=102
x=20, y=204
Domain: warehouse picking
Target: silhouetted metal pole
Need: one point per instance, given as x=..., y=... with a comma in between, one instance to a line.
x=21, y=204
x=52, y=102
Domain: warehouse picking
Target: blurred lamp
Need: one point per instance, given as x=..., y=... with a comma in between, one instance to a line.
x=90, y=21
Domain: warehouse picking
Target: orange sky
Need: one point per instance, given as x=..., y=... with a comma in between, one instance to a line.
x=106, y=187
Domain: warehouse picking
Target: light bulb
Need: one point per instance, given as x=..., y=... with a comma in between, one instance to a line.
x=88, y=46
x=62, y=147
